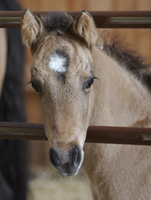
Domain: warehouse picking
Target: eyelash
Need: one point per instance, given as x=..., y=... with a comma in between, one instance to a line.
x=88, y=83
x=36, y=86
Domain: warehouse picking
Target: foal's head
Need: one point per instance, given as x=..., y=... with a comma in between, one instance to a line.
x=62, y=76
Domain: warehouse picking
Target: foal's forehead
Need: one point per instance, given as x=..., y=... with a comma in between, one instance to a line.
x=57, y=53
x=59, y=61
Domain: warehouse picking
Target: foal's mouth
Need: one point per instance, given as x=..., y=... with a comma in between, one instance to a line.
x=67, y=164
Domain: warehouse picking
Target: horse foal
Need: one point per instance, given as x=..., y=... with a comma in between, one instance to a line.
x=66, y=62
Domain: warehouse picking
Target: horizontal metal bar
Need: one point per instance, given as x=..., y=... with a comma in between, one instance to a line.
x=103, y=19
x=95, y=134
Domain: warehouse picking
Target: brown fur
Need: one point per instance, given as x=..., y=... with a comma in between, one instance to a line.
x=85, y=28
x=33, y=30
x=117, y=98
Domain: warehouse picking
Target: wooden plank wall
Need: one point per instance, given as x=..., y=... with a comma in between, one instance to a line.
x=140, y=39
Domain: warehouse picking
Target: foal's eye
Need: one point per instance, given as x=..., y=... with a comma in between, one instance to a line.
x=89, y=82
x=35, y=85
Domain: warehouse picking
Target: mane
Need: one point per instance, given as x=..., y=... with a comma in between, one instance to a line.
x=58, y=21
x=129, y=59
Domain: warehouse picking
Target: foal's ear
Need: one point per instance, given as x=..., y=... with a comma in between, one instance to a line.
x=31, y=27
x=84, y=26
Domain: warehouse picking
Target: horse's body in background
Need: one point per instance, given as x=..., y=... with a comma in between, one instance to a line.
x=13, y=160
x=79, y=85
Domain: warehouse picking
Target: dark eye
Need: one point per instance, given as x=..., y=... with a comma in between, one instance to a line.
x=89, y=82
x=35, y=85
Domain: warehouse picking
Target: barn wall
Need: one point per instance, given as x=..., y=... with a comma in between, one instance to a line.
x=140, y=39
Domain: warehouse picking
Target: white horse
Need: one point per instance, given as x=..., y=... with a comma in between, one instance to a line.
x=79, y=85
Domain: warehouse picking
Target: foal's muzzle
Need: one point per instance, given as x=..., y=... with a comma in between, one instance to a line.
x=67, y=164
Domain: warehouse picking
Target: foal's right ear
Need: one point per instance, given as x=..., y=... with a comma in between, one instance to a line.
x=31, y=27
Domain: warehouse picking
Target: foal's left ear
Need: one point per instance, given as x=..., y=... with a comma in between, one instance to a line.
x=31, y=27
x=84, y=26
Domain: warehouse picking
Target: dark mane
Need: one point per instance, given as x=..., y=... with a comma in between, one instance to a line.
x=129, y=59
x=58, y=21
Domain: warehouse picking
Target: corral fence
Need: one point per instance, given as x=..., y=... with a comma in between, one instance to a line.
x=95, y=134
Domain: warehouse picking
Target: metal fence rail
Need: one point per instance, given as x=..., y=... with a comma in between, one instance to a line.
x=95, y=134
x=103, y=19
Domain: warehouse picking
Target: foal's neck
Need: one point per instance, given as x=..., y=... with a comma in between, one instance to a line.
x=118, y=98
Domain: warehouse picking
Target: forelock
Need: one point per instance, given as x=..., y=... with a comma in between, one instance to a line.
x=57, y=21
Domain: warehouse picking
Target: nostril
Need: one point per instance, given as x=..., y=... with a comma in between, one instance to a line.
x=54, y=157
x=76, y=155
